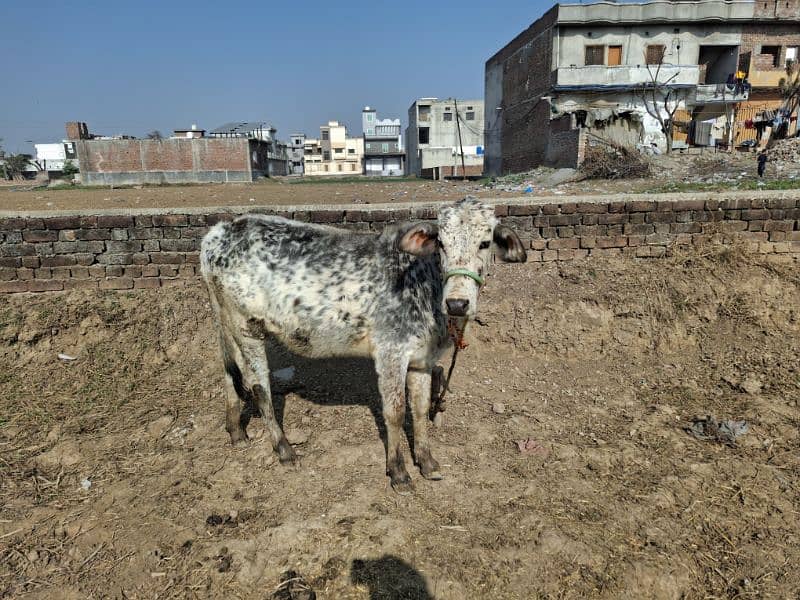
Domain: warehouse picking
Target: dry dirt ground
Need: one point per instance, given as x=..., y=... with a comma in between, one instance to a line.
x=118, y=481
x=266, y=192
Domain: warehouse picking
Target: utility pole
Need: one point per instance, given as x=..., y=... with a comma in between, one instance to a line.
x=460, y=146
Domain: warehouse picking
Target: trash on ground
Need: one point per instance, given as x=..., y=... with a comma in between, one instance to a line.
x=531, y=446
x=709, y=428
x=293, y=587
x=286, y=374
x=67, y=357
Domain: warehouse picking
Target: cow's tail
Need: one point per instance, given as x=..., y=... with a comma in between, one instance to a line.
x=229, y=350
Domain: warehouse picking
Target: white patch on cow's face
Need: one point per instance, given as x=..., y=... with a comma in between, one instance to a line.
x=465, y=239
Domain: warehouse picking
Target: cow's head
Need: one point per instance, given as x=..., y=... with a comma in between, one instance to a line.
x=463, y=236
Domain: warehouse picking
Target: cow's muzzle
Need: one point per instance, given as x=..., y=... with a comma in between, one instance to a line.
x=457, y=307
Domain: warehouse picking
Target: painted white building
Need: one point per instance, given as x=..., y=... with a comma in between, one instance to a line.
x=52, y=157
x=384, y=154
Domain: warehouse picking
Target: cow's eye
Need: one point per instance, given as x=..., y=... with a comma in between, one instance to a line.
x=484, y=245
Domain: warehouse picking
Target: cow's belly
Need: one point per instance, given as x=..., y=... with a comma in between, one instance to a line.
x=313, y=326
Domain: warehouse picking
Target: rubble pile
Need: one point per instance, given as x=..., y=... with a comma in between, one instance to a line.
x=613, y=162
x=787, y=151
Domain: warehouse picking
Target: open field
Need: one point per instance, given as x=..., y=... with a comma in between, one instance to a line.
x=676, y=173
x=118, y=481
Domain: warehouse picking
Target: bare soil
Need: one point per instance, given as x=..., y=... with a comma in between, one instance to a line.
x=266, y=192
x=118, y=479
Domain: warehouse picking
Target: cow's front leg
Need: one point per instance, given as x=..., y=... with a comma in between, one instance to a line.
x=418, y=383
x=391, y=382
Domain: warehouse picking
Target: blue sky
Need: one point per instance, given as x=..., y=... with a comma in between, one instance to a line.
x=130, y=67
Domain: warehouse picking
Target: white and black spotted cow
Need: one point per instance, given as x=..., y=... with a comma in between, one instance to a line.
x=328, y=292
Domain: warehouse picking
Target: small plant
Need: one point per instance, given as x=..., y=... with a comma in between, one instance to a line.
x=69, y=170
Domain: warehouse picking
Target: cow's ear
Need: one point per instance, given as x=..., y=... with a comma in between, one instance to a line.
x=419, y=239
x=511, y=248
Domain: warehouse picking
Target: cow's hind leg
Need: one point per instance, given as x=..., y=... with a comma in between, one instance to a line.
x=391, y=381
x=235, y=395
x=418, y=383
x=256, y=358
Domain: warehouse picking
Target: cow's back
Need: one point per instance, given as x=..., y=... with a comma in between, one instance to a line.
x=314, y=287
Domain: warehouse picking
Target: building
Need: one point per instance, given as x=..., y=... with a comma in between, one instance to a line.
x=213, y=158
x=333, y=153
x=384, y=153
x=297, y=143
x=51, y=158
x=615, y=71
x=192, y=133
x=438, y=132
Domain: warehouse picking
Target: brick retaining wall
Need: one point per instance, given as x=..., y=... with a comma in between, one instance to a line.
x=127, y=249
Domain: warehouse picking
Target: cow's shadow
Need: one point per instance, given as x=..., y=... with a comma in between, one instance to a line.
x=337, y=381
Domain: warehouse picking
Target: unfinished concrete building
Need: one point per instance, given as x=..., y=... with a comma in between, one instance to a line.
x=604, y=71
x=434, y=148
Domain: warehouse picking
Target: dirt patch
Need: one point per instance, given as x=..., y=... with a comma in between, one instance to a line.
x=118, y=481
x=268, y=192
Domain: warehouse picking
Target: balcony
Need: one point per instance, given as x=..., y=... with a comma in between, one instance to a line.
x=720, y=93
x=624, y=76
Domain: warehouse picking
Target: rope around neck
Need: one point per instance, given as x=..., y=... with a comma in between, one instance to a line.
x=466, y=273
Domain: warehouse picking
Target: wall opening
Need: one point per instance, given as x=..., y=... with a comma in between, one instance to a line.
x=424, y=135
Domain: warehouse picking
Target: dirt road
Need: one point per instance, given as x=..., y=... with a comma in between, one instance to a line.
x=117, y=480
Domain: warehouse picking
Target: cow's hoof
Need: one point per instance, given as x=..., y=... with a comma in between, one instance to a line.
x=438, y=419
x=403, y=486
x=434, y=475
x=287, y=455
x=239, y=439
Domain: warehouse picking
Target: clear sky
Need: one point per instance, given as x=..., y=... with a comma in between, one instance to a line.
x=131, y=66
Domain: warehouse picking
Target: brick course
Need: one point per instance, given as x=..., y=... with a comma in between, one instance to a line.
x=162, y=249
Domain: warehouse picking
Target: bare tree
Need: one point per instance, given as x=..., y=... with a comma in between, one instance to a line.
x=155, y=135
x=790, y=87
x=660, y=99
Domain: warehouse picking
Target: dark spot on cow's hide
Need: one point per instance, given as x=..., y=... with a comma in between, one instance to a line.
x=301, y=338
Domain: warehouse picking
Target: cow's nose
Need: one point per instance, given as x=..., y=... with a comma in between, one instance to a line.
x=456, y=307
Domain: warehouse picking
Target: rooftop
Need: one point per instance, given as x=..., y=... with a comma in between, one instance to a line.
x=660, y=11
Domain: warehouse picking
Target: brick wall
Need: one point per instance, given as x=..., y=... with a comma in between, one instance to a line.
x=526, y=64
x=49, y=252
x=174, y=160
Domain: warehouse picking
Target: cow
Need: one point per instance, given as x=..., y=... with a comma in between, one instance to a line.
x=324, y=292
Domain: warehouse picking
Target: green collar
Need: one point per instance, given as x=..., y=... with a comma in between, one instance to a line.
x=466, y=273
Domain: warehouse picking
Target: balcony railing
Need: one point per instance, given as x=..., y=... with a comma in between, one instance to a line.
x=626, y=75
x=721, y=93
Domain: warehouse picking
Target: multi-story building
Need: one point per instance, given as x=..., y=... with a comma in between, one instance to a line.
x=333, y=153
x=297, y=143
x=442, y=132
x=383, y=145
x=625, y=71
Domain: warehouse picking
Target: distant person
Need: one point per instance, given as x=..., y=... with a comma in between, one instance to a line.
x=762, y=162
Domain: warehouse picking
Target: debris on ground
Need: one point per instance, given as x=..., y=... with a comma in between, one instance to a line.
x=293, y=587
x=498, y=408
x=610, y=161
x=531, y=446
x=710, y=429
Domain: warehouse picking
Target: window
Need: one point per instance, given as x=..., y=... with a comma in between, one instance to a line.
x=370, y=132
x=595, y=55
x=791, y=53
x=338, y=150
x=324, y=134
x=340, y=167
x=326, y=155
x=424, y=112
x=385, y=147
x=614, y=56
x=470, y=115
x=773, y=52
x=351, y=150
x=448, y=116
x=370, y=117
x=655, y=54
x=424, y=135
